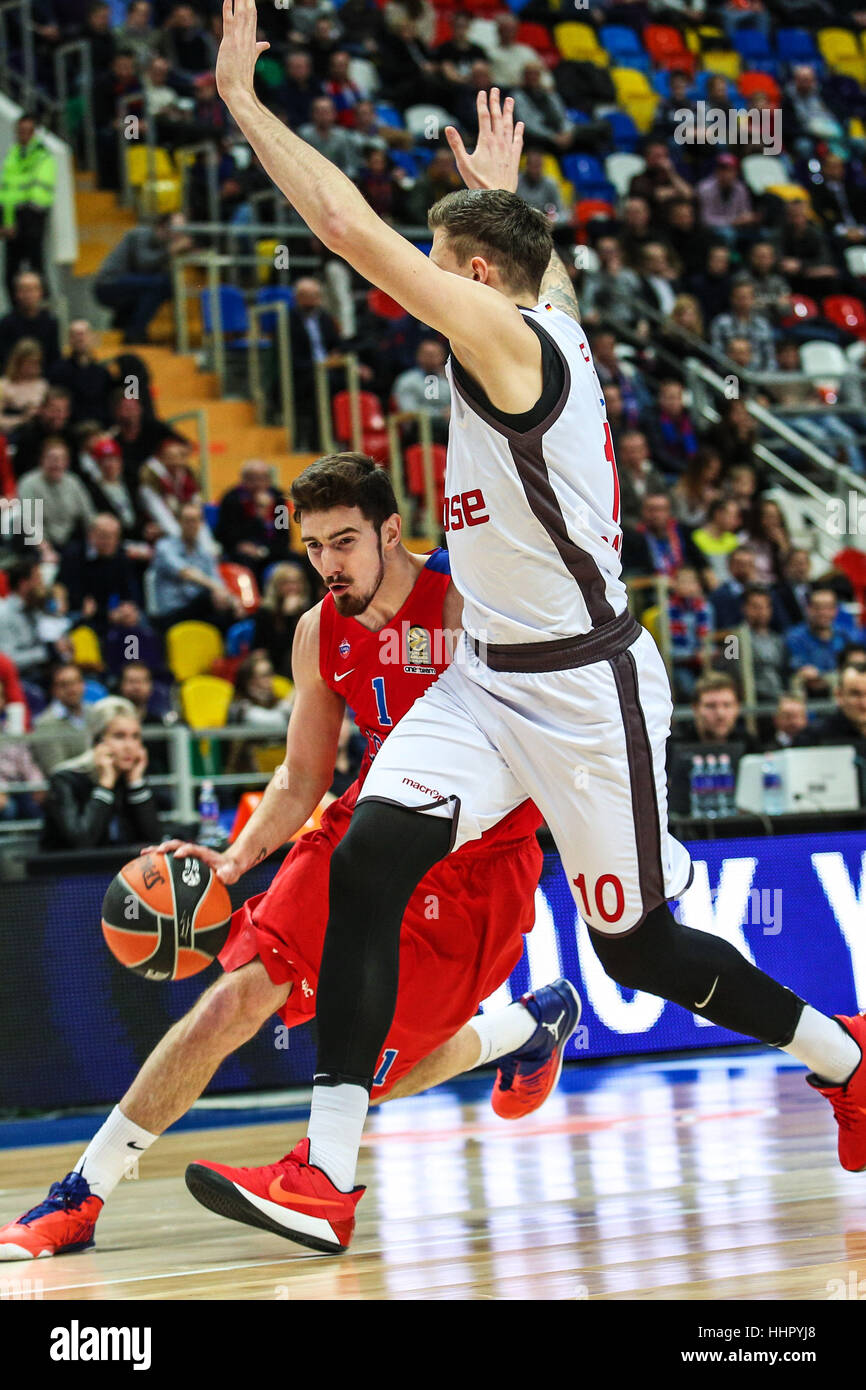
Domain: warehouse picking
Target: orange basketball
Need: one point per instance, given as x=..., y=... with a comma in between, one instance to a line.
x=166, y=918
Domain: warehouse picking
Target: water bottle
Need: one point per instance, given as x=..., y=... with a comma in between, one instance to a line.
x=727, y=805
x=773, y=801
x=696, y=788
x=711, y=782
x=210, y=831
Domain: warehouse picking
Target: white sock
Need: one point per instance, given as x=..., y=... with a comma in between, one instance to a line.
x=337, y=1118
x=824, y=1047
x=502, y=1032
x=113, y=1153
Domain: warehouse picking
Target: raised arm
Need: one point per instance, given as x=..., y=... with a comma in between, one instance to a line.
x=469, y=313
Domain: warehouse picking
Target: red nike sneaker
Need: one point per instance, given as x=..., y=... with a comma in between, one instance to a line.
x=63, y=1223
x=525, y=1078
x=292, y=1198
x=849, y=1101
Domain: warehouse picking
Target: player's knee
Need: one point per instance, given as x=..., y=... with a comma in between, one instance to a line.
x=632, y=959
x=237, y=1005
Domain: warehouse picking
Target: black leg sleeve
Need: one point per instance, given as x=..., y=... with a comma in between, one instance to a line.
x=385, y=853
x=703, y=973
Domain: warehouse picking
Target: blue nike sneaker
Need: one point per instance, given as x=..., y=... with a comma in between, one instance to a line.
x=526, y=1077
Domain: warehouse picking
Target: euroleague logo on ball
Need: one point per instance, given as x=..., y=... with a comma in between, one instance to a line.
x=191, y=873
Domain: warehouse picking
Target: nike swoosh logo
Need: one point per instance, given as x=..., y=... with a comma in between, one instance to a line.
x=131, y=1144
x=278, y=1193
x=344, y=675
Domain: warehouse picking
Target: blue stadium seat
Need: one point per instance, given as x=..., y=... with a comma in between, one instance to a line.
x=211, y=511
x=517, y=5
x=389, y=115
x=274, y=294
x=239, y=637
x=626, y=136
x=795, y=46
x=754, y=47
x=233, y=310
x=582, y=169
x=404, y=160
x=624, y=47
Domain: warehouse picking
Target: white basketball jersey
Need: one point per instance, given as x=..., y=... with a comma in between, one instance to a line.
x=532, y=507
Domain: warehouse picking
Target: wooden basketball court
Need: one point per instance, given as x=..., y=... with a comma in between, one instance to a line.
x=680, y=1180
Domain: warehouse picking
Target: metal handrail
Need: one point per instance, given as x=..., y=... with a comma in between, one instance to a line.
x=282, y=338
x=327, y=441
x=61, y=79
x=209, y=149
x=27, y=79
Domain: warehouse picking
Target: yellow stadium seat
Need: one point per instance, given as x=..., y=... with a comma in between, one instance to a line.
x=728, y=64
x=709, y=33
x=693, y=43
x=837, y=43
x=266, y=250
x=789, y=192
x=579, y=42
x=851, y=67
x=269, y=758
x=650, y=620
x=856, y=128
x=137, y=166
x=192, y=648
x=86, y=650
x=282, y=687
x=205, y=701
x=635, y=95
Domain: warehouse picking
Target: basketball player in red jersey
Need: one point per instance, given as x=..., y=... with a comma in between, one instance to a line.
x=555, y=678
x=376, y=642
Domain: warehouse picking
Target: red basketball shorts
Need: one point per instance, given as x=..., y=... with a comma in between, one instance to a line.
x=462, y=935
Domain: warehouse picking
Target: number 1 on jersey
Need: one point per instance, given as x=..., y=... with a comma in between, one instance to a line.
x=381, y=704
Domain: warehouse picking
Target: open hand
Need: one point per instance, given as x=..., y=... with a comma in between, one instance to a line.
x=239, y=50
x=224, y=865
x=495, y=162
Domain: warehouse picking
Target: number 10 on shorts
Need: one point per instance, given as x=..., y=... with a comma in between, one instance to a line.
x=608, y=898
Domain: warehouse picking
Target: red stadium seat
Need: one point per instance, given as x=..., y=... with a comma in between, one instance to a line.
x=588, y=208
x=383, y=306
x=4, y=584
x=802, y=308
x=852, y=564
x=667, y=48
x=443, y=30
x=241, y=582
x=751, y=83
x=415, y=471
x=8, y=485
x=372, y=418
x=846, y=312
x=541, y=39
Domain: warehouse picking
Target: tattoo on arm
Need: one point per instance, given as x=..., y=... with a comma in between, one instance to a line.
x=262, y=854
x=556, y=287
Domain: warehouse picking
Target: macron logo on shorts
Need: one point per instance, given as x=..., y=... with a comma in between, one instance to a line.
x=428, y=791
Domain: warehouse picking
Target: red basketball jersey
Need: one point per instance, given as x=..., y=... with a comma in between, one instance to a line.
x=381, y=674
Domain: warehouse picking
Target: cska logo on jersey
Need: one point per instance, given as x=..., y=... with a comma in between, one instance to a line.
x=344, y=647
x=419, y=652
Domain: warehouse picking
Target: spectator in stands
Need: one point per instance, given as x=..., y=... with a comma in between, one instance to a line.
x=658, y=277
x=638, y=475
x=330, y=139
x=116, y=95
x=741, y=484
x=715, y=713
x=304, y=16
x=152, y=705
x=98, y=36
x=101, y=464
x=712, y=286
x=385, y=185
x=689, y=626
x=743, y=321
x=21, y=637
x=98, y=576
x=102, y=797
x=139, y=436
x=257, y=702
x=338, y=85
x=16, y=766
x=425, y=388
x=717, y=538
x=186, y=44
x=371, y=133
x=770, y=655
x=166, y=483
x=66, y=505
x=790, y=725
x=847, y=723
x=136, y=36
x=683, y=234
x=728, y=597
x=697, y=487
x=22, y=386
x=616, y=416
x=439, y=178
x=672, y=436
x=791, y=593
x=657, y=544
x=724, y=200
x=88, y=381
x=15, y=711
x=544, y=116
x=27, y=181
x=456, y=55
x=135, y=278
x=315, y=337
x=741, y=355
x=840, y=202
x=541, y=191
x=735, y=435
x=772, y=291
x=186, y=578
x=658, y=182
x=635, y=393
x=65, y=720
x=611, y=292
x=407, y=70
x=509, y=59
x=669, y=113
x=815, y=644
x=286, y=598
x=636, y=230
x=324, y=40
x=805, y=258
x=253, y=521
x=29, y=318
x=294, y=98
x=806, y=113
x=769, y=539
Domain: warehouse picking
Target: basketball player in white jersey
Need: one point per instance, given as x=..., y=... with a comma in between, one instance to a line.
x=559, y=696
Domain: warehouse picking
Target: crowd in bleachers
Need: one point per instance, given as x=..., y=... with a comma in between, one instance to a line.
x=740, y=240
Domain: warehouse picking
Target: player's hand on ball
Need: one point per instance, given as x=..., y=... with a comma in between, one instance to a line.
x=225, y=866
x=495, y=162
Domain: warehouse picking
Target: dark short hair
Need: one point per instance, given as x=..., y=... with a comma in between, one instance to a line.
x=850, y=649
x=345, y=480
x=760, y=589
x=21, y=571
x=714, y=680
x=500, y=226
